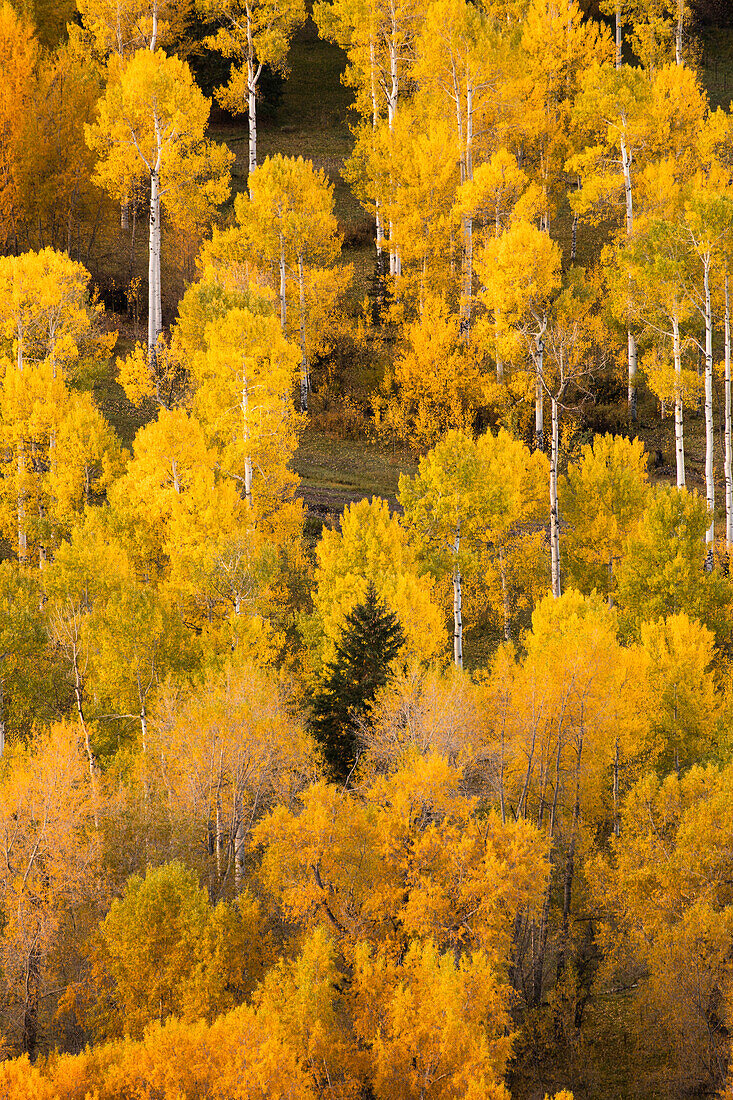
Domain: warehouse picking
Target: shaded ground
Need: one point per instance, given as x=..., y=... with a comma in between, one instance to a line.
x=337, y=472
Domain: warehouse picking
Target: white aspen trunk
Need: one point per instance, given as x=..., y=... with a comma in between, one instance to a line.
x=539, y=406
x=239, y=845
x=728, y=447
x=375, y=123
x=505, y=598
x=574, y=239
x=709, y=436
x=144, y=729
x=678, y=35
x=155, y=311
x=154, y=34
x=468, y=220
x=457, y=605
x=21, y=468
x=246, y=437
x=679, y=442
x=395, y=265
x=124, y=214
x=633, y=365
x=554, y=514
x=619, y=40
x=252, y=78
x=283, y=304
x=303, y=356
x=628, y=198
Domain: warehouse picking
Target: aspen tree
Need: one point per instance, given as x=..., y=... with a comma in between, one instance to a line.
x=662, y=572
x=707, y=221
x=498, y=192
x=653, y=272
x=114, y=30
x=558, y=45
x=378, y=36
x=418, y=157
x=243, y=399
x=50, y=878
x=454, y=61
x=602, y=498
x=520, y=271
x=151, y=127
x=612, y=107
x=48, y=323
x=19, y=55
x=287, y=222
x=253, y=33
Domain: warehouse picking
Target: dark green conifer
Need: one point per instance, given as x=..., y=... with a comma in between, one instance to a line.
x=371, y=639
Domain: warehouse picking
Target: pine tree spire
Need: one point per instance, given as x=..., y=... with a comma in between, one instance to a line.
x=371, y=639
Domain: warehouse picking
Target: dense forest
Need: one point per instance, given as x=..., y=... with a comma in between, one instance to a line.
x=366, y=517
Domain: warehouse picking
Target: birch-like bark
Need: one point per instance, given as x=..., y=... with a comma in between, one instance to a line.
x=554, y=513
x=679, y=441
x=499, y=360
x=246, y=438
x=154, y=32
x=155, y=311
x=619, y=41
x=709, y=432
x=728, y=446
x=678, y=34
x=629, y=203
x=21, y=468
x=377, y=199
x=505, y=598
x=457, y=604
x=467, y=294
x=239, y=845
x=539, y=399
x=283, y=304
x=303, y=356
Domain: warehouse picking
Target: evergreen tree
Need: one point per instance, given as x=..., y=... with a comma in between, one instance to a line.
x=371, y=639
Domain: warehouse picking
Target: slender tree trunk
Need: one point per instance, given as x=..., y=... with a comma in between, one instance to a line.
x=457, y=605
x=679, y=441
x=728, y=447
x=154, y=34
x=619, y=38
x=283, y=303
x=2, y=718
x=554, y=514
x=709, y=433
x=632, y=356
x=499, y=360
x=505, y=598
x=303, y=356
x=616, y=824
x=252, y=78
x=377, y=199
x=239, y=845
x=246, y=438
x=678, y=33
x=467, y=294
x=155, y=312
x=539, y=399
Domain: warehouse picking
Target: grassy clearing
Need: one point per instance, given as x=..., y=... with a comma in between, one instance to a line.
x=337, y=472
